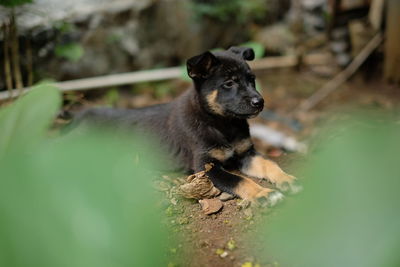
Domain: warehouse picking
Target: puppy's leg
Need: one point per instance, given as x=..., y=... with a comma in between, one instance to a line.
x=257, y=166
x=242, y=187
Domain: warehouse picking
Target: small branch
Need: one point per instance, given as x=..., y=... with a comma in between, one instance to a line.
x=7, y=67
x=15, y=54
x=29, y=60
x=343, y=76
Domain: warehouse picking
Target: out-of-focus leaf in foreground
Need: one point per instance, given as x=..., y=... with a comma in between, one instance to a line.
x=80, y=200
x=25, y=122
x=348, y=213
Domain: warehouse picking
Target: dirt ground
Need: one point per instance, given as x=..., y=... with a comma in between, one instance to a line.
x=205, y=237
x=222, y=239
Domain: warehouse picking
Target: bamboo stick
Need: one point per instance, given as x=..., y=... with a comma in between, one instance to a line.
x=343, y=76
x=174, y=73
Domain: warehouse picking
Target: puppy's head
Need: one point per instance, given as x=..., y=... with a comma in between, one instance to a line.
x=225, y=83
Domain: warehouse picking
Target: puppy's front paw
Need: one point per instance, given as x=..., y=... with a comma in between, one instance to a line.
x=271, y=199
x=249, y=190
x=287, y=183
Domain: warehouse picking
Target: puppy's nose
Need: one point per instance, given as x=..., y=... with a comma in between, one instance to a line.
x=257, y=102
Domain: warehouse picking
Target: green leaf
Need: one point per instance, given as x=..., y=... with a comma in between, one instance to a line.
x=13, y=3
x=82, y=200
x=162, y=90
x=71, y=51
x=64, y=27
x=112, y=96
x=348, y=213
x=24, y=122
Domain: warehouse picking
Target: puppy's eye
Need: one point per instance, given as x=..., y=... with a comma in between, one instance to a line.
x=228, y=84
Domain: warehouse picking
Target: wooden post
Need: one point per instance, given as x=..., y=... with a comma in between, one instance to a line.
x=392, y=45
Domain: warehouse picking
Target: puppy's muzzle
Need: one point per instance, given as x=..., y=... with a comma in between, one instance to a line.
x=257, y=102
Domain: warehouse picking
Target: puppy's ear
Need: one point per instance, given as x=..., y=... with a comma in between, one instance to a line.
x=245, y=52
x=202, y=66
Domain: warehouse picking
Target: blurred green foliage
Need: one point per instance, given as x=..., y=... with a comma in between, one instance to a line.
x=162, y=90
x=83, y=199
x=24, y=123
x=158, y=90
x=64, y=27
x=112, y=97
x=231, y=10
x=184, y=74
x=348, y=213
x=71, y=51
x=114, y=37
x=13, y=3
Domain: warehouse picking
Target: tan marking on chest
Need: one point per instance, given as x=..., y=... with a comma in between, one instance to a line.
x=242, y=146
x=221, y=153
x=213, y=103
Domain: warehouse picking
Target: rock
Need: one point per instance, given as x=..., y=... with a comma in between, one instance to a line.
x=276, y=38
x=343, y=59
x=199, y=186
x=313, y=4
x=340, y=33
x=174, y=201
x=210, y=206
x=339, y=46
x=72, y=10
x=224, y=254
x=225, y=196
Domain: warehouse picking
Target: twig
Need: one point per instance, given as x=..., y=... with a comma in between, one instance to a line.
x=343, y=76
x=7, y=68
x=15, y=54
x=29, y=61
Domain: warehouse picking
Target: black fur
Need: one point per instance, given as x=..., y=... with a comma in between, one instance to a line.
x=211, y=115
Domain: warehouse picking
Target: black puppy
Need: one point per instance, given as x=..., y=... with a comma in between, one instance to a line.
x=208, y=124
